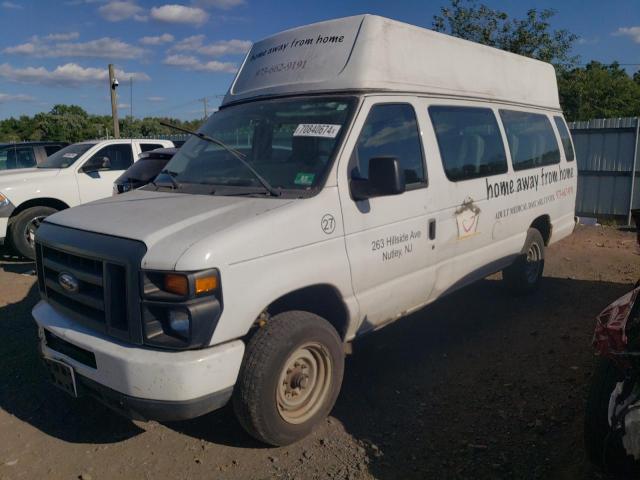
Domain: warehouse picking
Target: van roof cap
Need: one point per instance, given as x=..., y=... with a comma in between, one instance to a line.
x=372, y=53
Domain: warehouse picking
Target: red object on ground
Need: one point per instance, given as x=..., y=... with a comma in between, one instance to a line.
x=610, y=336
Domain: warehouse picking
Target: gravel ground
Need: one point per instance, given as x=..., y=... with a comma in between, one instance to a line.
x=479, y=385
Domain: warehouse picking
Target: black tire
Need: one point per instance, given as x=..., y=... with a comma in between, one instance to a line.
x=603, y=447
x=21, y=227
x=260, y=382
x=523, y=276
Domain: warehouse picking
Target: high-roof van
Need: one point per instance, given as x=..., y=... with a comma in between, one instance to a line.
x=357, y=170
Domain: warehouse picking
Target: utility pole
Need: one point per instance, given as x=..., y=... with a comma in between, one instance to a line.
x=131, y=98
x=204, y=100
x=113, y=84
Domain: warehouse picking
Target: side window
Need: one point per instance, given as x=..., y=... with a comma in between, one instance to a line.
x=20, y=157
x=120, y=156
x=531, y=139
x=51, y=149
x=565, y=138
x=469, y=141
x=390, y=130
x=145, y=147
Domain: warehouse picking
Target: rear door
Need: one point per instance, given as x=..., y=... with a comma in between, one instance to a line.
x=96, y=185
x=387, y=238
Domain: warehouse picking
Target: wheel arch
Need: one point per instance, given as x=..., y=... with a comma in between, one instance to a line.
x=544, y=226
x=322, y=299
x=40, y=202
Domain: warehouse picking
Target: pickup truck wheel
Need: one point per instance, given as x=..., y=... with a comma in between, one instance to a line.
x=23, y=229
x=290, y=377
x=524, y=274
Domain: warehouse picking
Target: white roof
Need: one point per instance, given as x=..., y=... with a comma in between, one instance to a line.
x=368, y=52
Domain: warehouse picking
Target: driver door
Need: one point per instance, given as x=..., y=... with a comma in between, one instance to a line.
x=111, y=161
x=389, y=240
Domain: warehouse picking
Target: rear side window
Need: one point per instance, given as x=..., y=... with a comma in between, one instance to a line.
x=20, y=157
x=469, y=141
x=390, y=130
x=145, y=147
x=565, y=138
x=532, y=142
x=145, y=169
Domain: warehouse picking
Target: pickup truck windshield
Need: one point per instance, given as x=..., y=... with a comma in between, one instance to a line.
x=67, y=156
x=290, y=143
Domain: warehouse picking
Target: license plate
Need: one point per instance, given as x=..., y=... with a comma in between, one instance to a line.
x=62, y=376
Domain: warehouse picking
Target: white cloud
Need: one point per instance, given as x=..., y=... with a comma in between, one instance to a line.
x=105, y=47
x=68, y=75
x=179, y=14
x=156, y=99
x=158, y=40
x=81, y=2
x=195, y=43
x=11, y=5
x=191, y=43
x=62, y=37
x=226, y=47
x=118, y=10
x=20, y=97
x=222, y=4
x=631, y=32
x=588, y=41
x=124, y=106
x=188, y=62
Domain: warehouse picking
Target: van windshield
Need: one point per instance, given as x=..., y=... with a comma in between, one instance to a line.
x=67, y=156
x=290, y=143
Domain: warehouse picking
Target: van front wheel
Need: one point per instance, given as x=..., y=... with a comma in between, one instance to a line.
x=290, y=377
x=524, y=274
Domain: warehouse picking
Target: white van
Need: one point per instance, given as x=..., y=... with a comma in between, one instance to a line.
x=358, y=170
x=75, y=174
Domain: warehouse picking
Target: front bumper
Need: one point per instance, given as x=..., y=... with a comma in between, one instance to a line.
x=160, y=410
x=156, y=384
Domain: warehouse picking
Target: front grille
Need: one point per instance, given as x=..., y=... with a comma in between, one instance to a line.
x=101, y=297
x=106, y=269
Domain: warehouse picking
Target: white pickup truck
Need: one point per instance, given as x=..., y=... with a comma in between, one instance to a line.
x=77, y=174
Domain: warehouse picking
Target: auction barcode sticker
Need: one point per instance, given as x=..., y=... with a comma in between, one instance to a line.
x=324, y=130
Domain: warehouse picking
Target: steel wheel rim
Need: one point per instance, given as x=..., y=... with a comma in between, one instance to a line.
x=534, y=257
x=31, y=228
x=304, y=383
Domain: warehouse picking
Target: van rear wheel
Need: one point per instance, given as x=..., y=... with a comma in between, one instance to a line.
x=290, y=377
x=524, y=274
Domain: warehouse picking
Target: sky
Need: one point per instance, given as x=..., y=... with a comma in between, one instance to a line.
x=170, y=56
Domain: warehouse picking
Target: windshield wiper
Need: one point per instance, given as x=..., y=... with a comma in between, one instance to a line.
x=170, y=175
x=239, y=155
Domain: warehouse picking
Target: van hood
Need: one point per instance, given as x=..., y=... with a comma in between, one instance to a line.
x=168, y=222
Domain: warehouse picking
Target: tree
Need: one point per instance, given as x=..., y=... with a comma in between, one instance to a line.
x=530, y=36
x=599, y=91
x=72, y=123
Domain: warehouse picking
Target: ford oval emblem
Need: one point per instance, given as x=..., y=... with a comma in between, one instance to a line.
x=68, y=282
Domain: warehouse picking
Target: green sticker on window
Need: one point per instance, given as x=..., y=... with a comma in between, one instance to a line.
x=304, y=178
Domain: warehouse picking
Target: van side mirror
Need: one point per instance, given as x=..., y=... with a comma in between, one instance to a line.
x=385, y=178
x=96, y=164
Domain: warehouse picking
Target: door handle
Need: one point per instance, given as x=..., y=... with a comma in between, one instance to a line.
x=432, y=229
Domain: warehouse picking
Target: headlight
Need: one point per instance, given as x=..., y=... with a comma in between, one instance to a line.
x=4, y=201
x=180, y=310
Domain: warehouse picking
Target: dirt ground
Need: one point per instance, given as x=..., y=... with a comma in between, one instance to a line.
x=479, y=385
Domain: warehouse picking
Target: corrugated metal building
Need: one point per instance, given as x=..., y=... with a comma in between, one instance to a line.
x=608, y=163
